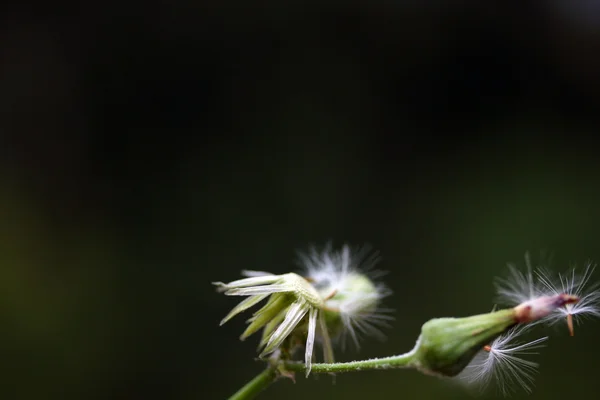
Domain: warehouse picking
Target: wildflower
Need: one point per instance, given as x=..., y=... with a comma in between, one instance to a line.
x=334, y=295
x=501, y=361
x=576, y=285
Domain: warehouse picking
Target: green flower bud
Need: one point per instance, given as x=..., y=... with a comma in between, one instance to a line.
x=447, y=345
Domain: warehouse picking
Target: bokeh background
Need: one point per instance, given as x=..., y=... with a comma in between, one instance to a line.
x=147, y=149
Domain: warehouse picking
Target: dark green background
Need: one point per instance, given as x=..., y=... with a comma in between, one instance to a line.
x=148, y=149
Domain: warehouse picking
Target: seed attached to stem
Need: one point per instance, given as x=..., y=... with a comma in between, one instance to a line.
x=541, y=307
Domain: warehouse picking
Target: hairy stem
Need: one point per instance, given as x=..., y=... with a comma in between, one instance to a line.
x=399, y=361
x=251, y=389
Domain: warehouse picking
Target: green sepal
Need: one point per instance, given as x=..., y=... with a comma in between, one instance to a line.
x=276, y=304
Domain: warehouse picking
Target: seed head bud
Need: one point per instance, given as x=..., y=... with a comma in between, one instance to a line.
x=447, y=345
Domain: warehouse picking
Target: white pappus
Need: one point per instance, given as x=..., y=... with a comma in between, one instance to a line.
x=520, y=287
x=501, y=362
x=346, y=281
x=576, y=284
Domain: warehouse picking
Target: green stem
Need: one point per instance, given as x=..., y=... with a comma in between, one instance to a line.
x=251, y=389
x=400, y=361
x=268, y=376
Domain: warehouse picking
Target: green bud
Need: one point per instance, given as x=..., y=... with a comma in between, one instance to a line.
x=447, y=345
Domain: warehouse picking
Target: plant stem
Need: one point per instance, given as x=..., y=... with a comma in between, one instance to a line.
x=400, y=361
x=268, y=376
x=251, y=389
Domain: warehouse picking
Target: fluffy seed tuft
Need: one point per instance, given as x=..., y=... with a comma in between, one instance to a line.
x=501, y=362
x=575, y=284
x=352, y=299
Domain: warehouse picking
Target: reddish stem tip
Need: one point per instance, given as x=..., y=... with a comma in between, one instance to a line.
x=564, y=299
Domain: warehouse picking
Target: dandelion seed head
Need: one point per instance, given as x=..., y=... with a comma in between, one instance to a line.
x=334, y=294
x=345, y=279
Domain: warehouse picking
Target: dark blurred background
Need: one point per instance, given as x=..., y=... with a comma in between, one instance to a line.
x=147, y=149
